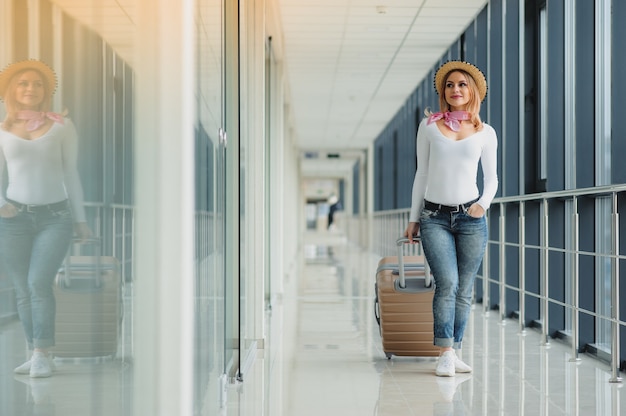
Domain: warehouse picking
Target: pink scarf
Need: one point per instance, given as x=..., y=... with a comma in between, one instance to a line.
x=451, y=119
x=36, y=119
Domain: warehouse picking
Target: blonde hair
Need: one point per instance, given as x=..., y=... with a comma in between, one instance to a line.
x=11, y=104
x=473, y=106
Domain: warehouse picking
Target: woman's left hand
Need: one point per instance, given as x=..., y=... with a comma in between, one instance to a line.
x=82, y=231
x=476, y=211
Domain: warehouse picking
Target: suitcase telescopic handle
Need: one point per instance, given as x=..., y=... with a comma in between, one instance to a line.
x=400, y=242
x=96, y=241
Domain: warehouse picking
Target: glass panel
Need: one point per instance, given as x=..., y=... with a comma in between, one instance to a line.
x=209, y=172
x=603, y=168
x=232, y=210
x=87, y=333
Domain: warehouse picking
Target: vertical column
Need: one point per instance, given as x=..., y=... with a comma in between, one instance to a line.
x=232, y=108
x=603, y=93
x=369, y=208
x=57, y=21
x=503, y=92
x=545, y=340
x=522, y=267
x=486, y=300
x=278, y=173
x=502, y=262
x=522, y=96
x=33, y=28
x=6, y=46
x=615, y=336
x=254, y=167
x=164, y=274
x=574, y=283
x=362, y=217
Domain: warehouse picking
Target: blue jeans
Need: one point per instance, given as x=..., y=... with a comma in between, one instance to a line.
x=454, y=245
x=32, y=248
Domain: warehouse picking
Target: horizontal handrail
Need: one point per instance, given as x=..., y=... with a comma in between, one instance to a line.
x=386, y=224
x=597, y=191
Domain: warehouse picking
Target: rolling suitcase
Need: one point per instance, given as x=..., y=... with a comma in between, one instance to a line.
x=88, y=312
x=403, y=305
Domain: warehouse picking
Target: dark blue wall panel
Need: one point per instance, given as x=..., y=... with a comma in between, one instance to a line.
x=584, y=94
x=618, y=90
x=509, y=136
x=494, y=71
x=356, y=187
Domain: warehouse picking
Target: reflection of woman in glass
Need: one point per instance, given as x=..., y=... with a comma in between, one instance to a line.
x=43, y=204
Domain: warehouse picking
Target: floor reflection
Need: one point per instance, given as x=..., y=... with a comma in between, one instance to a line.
x=74, y=389
x=337, y=366
x=94, y=386
x=323, y=357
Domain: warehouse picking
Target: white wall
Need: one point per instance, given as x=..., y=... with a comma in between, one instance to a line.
x=163, y=330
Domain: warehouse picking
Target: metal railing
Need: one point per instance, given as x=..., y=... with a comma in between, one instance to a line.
x=387, y=226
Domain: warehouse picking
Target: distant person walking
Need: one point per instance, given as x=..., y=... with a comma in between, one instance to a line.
x=335, y=206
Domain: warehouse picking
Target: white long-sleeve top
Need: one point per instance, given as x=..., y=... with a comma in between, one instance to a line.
x=44, y=170
x=447, y=169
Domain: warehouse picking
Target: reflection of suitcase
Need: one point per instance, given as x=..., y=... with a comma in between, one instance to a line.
x=88, y=311
x=404, y=298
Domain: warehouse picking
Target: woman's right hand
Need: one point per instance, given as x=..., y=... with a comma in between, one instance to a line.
x=412, y=230
x=8, y=210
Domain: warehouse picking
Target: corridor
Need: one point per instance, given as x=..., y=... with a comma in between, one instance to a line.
x=325, y=358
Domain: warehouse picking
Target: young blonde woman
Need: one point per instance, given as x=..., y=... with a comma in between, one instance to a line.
x=43, y=204
x=447, y=210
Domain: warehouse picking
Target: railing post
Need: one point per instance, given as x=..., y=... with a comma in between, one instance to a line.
x=615, y=344
x=522, y=267
x=502, y=263
x=575, y=280
x=544, y=276
x=486, y=300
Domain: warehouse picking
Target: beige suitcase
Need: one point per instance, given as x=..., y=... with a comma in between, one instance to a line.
x=88, y=311
x=403, y=305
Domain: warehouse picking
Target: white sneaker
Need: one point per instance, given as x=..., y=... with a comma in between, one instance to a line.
x=25, y=368
x=446, y=364
x=40, y=365
x=460, y=366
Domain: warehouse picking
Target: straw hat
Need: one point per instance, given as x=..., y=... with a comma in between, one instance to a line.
x=445, y=69
x=12, y=69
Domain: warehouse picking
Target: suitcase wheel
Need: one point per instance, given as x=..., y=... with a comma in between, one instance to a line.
x=389, y=355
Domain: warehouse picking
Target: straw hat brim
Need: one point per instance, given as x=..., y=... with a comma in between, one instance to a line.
x=477, y=74
x=16, y=67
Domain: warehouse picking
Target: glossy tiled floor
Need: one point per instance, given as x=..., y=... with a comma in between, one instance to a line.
x=322, y=357
x=79, y=387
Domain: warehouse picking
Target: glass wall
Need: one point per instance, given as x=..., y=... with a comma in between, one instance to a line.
x=210, y=147
x=94, y=290
x=175, y=168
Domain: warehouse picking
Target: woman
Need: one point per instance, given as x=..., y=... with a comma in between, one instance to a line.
x=43, y=205
x=446, y=207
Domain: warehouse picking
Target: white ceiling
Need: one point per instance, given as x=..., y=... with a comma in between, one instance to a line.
x=351, y=64
x=114, y=20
